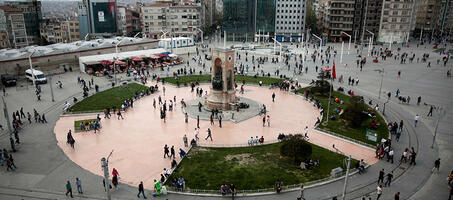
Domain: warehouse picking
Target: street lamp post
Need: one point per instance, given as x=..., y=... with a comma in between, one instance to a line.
x=343, y=197
x=31, y=68
x=320, y=43
x=349, y=45
x=105, y=168
x=370, y=46
x=341, y=56
x=364, y=25
x=201, y=34
x=114, y=61
x=381, y=71
x=8, y=123
x=441, y=114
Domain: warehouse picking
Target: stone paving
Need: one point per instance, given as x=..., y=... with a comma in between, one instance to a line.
x=44, y=168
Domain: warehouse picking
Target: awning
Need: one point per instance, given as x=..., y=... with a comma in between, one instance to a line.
x=166, y=53
x=161, y=55
x=172, y=55
x=92, y=63
x=326, y=69
x=154, y=56
x=106, y=62
x=137, y=59
x=120, y=62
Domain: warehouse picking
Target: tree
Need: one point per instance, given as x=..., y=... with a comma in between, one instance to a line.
x=321, y=86
x=354, y=111
x=296, y=147
x=311, y=20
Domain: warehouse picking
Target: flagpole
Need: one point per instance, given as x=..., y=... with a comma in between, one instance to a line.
x=330, y=92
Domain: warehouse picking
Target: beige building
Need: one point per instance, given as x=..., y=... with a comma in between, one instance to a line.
x=396, y=20
x=179, y=20
x=60, y=30
x=428, y=15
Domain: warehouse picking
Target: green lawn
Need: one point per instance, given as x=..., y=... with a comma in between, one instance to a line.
x=339, y=126
x=250, y=167
x=108, y=98
x=77, y=123
x=237, y=78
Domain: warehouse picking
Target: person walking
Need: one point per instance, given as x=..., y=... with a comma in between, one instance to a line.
x=184, y=139
x=69, y=189
x=198, y=121
x=196, y=134
x=79, y=186
x=306, y=132
x=302, y=196
x=413, y=156
x=220, y=121
x=388, y=181
x=419, y=100
x=172, y=151
x=268, y=121
x=209, y=134
x=264, y=121
x=166, y=151
x=232, y=191
x=141, y=190
x=379, y=192
x=381, y=176
x=119, y=114
x=186, y=118
x=397, y=196
x=436, y=165
x=416, y=120
x=273, y=97
x=211, y=118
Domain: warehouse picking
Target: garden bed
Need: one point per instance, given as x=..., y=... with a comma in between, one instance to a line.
x=339, y=125
x=108, y=98
x=251, y=168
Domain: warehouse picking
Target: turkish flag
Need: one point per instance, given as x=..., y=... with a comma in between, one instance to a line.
x=334, y=75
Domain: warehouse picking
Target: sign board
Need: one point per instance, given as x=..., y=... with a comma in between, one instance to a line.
x=371, y=135
x=101, y=16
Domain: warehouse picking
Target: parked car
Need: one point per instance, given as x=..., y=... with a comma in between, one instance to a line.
x=39, y=76
x=8, y=80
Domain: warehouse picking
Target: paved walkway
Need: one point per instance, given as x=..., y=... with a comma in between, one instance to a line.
x=44, y=168
x=138, y=140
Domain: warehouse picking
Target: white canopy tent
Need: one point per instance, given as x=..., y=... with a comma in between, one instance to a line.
x=90, y=60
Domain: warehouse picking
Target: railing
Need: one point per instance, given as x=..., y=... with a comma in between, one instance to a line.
x=236, y=145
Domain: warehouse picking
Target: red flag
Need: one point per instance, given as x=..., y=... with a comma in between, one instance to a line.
x=334, y=75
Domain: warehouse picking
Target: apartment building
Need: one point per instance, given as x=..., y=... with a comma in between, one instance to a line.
x=60, y=30
x=396, y=20
x=31, y=11
x=428, y=16
x=373, y=18
x=177, y=19
x=13, y=25
x=128, y=21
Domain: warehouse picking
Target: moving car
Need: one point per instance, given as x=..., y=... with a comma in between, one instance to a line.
x=8, y=80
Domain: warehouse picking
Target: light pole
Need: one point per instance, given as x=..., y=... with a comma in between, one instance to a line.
x=441, y=115
x=86, y=36
x=51, y=88
x=343, y=197
x=275, y=41
x=201, y=34
x=341, y=56
x=105, y=167
x=349, y=45
x=370, y=46
x=328, y=104
x=364, y=25
x=136, y=35
x=31, y=67
x=320, y=43
x=114, y=61
x=391, y=42
x=8, y=123
x=381, y=71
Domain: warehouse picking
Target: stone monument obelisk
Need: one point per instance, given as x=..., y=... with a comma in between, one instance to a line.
x=223, y=93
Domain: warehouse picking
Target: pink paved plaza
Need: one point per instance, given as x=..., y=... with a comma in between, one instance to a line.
x=138, y=140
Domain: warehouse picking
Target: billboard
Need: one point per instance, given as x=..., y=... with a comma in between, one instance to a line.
x=103, y=16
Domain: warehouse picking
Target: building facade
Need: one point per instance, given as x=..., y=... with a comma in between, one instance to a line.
x=373, y=19
x=31, y=10
x=176, y=19
x=128, y=21
x=396, y=21
x=290, y=20
x=14, y=26
x=60, y=30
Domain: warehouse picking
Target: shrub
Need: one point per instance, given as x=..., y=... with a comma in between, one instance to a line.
x=354, y=111
x=296, y=147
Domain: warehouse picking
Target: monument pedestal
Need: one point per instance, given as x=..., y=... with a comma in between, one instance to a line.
x=222, y=95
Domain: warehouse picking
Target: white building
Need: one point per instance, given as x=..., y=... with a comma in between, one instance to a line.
x=396, y=21
x=290, y=19
x=179, y=20
x=178, y=42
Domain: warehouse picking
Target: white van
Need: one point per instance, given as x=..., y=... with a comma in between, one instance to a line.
x=39, y=76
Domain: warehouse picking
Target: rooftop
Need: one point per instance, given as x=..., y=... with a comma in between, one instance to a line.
x=12, y=54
